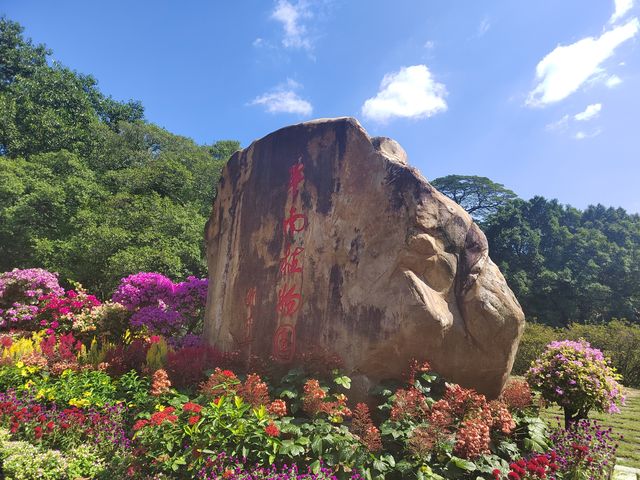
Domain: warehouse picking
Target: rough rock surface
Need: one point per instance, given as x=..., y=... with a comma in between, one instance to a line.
x=324, y=238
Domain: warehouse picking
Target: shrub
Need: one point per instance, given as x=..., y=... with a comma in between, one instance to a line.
x=160, y=306
x=57, y=313
x=533, y=342
x=619, y=340
x=578, y=378
x=186, y=367
x=19, y=293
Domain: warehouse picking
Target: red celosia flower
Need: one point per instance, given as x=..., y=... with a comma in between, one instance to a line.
x=228, y=374
x=496, y=473
x=193, y=420
x=313, y=397
x=409, y=403
x=513, y=476
x=363, y=427
x=472, y=439
x=254, y=391
x=160, y=383
x=50, y=426
x=38, y=432
x=278, y=408
x=272, y=430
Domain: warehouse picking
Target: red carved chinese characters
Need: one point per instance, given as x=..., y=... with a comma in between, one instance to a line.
x=289, y=301
x=284, y=343
x=289, y=296
x=296, y=222
x=250, y=302
x=289, y=263
x=296, y=176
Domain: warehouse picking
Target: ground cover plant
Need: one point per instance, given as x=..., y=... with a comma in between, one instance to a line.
x=123, y=387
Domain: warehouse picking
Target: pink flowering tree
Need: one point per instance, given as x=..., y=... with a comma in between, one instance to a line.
x=578, y=378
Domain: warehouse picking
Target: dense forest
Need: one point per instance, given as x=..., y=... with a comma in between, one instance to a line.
x=90, y=189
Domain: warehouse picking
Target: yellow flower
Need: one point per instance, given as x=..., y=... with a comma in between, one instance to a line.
x=19, y=364
x=160, y=408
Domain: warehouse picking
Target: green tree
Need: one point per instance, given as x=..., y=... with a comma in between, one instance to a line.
x=88, y=188
x=479, y=196
x=19, y=57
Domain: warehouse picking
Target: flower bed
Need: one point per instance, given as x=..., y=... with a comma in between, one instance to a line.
x=131, y=401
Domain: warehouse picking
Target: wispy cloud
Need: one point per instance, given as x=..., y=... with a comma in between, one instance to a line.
x=558, y=125
x=484, y=26
x=566, y=68
x=411, y=92
x=589, y=113
x=284, y=99
x=622, y=7
x=612, y=81
x=292, y=17
x=583, y=135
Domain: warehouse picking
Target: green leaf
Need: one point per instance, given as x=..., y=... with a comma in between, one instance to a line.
x=462, y=464
x=316, y=446
x=343, y=381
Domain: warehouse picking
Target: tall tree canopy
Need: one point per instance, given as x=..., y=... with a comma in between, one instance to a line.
x=88, y=188
x=567, y=265
x=479, y=196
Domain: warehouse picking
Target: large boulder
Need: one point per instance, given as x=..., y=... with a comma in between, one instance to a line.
x=322, y=237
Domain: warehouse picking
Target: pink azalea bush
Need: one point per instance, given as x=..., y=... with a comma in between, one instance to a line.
x=578, y=378
x=20, y=290
x=161, y=307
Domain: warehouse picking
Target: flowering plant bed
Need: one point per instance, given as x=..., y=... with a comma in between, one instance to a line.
x=144, y=398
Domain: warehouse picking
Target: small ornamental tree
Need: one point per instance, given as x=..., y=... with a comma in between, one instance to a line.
x=578, y=378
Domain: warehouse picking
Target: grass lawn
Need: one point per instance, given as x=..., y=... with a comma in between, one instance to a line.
x=626, y=423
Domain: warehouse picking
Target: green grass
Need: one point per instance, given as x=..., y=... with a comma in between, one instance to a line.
x=625, y=423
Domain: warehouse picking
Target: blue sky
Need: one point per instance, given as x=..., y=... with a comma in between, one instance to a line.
x=542, y=96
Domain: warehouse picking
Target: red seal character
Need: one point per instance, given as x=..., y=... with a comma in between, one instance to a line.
x=289, y=263
x=289, y=301
x=284, y=343
x=296, y=176
x=295, y=222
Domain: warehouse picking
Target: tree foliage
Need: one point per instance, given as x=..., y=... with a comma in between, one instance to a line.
x=88, y=188
x=479, y=196
x=567, y=265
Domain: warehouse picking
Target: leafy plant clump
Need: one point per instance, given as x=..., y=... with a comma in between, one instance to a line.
x=578, y=378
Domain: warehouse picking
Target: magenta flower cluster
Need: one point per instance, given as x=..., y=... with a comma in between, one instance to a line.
x=585, y=450
x=159, y=305
x=577, y=377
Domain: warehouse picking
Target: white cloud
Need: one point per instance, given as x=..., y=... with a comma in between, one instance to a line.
x=284, y=99
x=409, y=93
x=582, y=135
x=484, y=26
x=612, y=81
x=561, y=124
x=592, y=111
x=567, y=68
x=429, y=44
x=291, y=16
x=621, y=9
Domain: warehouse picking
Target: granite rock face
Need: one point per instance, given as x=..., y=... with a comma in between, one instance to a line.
x=324, y=238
